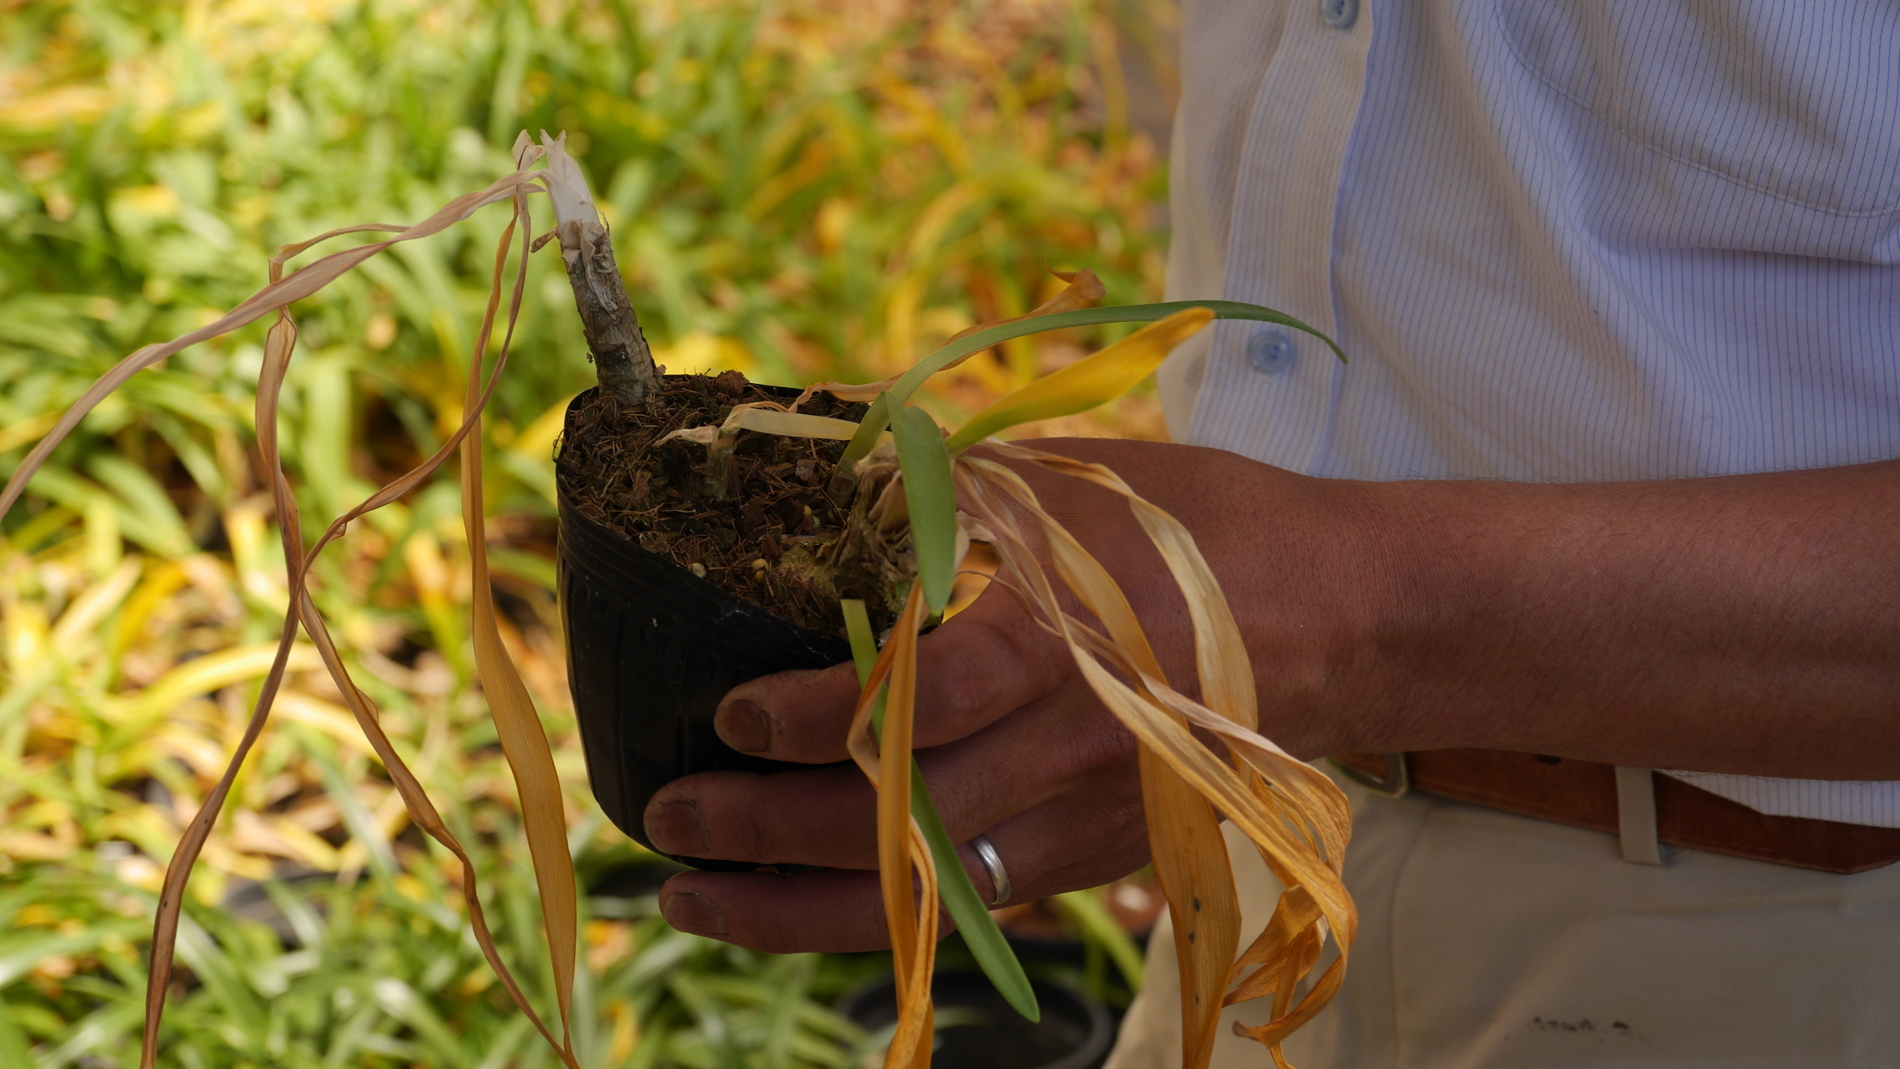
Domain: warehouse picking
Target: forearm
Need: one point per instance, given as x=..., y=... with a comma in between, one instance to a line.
x=1746, y=624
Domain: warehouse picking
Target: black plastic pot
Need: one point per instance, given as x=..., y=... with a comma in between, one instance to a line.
x=651, y=648
x=976, y=1029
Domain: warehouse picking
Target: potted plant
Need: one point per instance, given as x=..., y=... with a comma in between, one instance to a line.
x=859, y=509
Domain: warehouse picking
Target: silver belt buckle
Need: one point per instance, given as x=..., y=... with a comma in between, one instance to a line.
x=1396, y=782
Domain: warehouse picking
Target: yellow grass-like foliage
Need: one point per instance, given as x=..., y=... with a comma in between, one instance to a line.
x=1293, y=814
x=520, y=732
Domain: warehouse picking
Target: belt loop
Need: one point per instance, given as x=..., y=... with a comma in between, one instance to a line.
x=1636, y=816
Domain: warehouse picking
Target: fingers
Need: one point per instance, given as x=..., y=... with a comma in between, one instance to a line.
x=1077, y=841
x=820, y=817
x=827, y=816
x=833, y=911
x=981, y=665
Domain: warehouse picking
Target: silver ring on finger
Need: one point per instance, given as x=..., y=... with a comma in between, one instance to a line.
x=992, y=864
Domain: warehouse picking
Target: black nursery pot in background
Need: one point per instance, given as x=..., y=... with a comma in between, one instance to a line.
x=651, y=649
x=976, y=1029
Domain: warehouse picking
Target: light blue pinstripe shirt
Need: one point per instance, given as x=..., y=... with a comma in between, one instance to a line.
x=1561, y=240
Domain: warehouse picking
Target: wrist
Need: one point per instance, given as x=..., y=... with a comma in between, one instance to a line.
x=1436, y=557
x=1349, y=623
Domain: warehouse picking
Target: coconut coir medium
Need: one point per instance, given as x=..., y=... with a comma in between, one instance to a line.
x=768, y=534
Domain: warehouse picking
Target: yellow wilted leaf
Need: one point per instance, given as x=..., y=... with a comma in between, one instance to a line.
x=1293, y=814
x=767, y=418
x=154, y=201
x=1190, y=860
x=327, y=717
x=699, y=353
x=536, y=440
x=18, y=434
x=213, y=671
x=517, y=725
x=756, y=417
x=1086, y=383
x=52, y=108
x=885, y=759
x=77, y=623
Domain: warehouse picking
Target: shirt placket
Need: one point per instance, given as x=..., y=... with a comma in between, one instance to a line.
x=1267, y=388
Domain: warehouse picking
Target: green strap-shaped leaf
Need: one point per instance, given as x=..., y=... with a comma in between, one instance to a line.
x=960, y=899
x=875, y=421
x=1090, y=381
x=876, y=418
x=1100, y=927
x=932, y=499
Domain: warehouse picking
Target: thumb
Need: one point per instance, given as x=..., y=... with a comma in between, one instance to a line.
x=980, y=666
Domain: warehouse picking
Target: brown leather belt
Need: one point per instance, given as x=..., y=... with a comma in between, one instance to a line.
x=1584, y=794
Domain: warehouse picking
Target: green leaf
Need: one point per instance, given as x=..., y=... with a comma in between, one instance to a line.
x=1099, y=926
x=350, y=808
x=968, y=909
x=19, y=954
x=164, y=529
x=843, y=478
x=960, y=900
x=900, y=391
x=932, y=498
x=857, y=627
x=15, y=1047
x=1091, y=381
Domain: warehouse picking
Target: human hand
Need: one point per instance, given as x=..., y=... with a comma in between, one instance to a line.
x=1012, y=742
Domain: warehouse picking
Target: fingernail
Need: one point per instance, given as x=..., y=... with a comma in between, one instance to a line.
x=675, y=828
x=693, y=913
x=744, y=727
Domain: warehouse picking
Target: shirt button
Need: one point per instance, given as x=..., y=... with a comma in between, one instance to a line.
x=1270, y=351
x=1339, y=14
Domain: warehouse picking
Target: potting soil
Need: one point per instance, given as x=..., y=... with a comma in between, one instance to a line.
x=767, y=534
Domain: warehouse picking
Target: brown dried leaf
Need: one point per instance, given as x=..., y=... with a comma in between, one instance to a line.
x=1292, y=813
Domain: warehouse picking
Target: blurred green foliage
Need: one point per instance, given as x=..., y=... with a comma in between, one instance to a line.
x=385, y=973
x=804, y=190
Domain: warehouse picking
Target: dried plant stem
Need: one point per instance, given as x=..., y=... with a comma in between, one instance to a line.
x=621, y=356
x=622, y=359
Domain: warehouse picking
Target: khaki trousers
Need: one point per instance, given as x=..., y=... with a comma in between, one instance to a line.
x=1492, y=941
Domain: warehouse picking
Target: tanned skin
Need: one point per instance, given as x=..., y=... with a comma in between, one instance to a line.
x=1745, y=624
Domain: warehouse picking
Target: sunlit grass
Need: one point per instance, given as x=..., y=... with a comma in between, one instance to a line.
x=797, y=192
